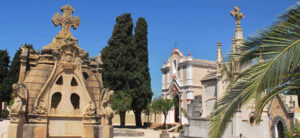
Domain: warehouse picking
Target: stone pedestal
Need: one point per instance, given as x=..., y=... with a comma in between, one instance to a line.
x=164, y=134
x=97, y=131
x=15, y=128
x=35, y=131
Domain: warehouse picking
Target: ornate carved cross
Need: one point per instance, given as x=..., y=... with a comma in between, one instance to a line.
x=237, y=15
x=66, y=20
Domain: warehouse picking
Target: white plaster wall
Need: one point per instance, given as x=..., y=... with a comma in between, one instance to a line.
x=163, y=81
x=181, y=74
x=189, y=95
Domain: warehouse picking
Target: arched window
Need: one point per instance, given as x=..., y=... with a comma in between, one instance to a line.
x=251, y=120
x=75, y=100
x=55, y=100
x=59, y=81
x=174, y=66
x=74, y=82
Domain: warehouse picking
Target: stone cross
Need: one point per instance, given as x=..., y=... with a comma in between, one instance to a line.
x=237, y=15
x=66, y=20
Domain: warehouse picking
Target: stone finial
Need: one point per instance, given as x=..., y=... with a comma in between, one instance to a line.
x=237, y=15
x=189, y=53
x=66, y=20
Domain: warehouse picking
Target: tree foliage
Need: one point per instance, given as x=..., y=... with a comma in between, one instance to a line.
x=121, y=102
x=140, y=81
x=163, y=106
x=275, y=54
x=115, y=63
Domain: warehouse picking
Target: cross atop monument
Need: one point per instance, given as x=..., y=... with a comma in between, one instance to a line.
x=237, y=15
x=66, y=20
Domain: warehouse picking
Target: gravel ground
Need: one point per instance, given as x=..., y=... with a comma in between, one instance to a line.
x=4, y=128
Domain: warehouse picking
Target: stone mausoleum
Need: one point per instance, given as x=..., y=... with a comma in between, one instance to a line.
x=60, y=91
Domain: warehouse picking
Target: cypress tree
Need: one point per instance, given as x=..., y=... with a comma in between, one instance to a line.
x=4, y=62
x=114, y=57
x=140, y=80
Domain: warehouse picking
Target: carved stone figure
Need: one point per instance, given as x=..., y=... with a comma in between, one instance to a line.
x=106, y=109
x=20, y=98
x=90, y=109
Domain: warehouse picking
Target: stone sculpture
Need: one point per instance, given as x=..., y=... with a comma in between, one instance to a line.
x=106, y=109
x=20, y=98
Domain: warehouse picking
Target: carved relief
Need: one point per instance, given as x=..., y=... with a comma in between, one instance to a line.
x=40, y=109
x=105, y=106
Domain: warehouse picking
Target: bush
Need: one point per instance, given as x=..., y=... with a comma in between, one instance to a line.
x=294, y=133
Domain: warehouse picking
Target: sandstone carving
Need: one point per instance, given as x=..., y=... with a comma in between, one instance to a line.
x=90, y=109
x=40, y=109
x=106, y=109
x=20, y=98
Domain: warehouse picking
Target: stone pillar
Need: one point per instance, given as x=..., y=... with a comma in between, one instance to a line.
x=15, y=128
x=107, y=131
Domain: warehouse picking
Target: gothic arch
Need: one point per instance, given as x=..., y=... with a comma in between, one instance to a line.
x=275, y=121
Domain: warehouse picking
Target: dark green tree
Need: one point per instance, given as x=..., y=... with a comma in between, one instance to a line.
x=140, y=81
x=114, y=59
x=4, y=63
x=116, y=62
x=121, y=102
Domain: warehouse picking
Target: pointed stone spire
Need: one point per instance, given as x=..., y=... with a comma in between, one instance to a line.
x=237, y=40
x=219, y=60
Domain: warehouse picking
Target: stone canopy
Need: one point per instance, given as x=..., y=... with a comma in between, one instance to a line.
x=60, y=91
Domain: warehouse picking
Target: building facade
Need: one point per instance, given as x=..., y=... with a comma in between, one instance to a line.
x=181, y=81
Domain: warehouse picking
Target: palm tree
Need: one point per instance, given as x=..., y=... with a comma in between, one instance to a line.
x=275, y=55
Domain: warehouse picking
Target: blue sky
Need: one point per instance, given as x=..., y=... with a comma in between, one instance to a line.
x=196, y=25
